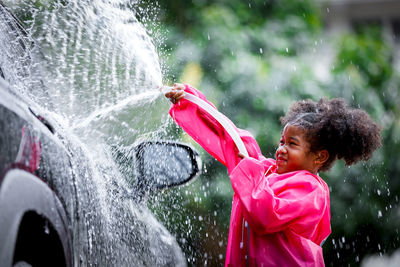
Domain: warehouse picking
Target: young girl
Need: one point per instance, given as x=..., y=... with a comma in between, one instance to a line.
x=281, y=211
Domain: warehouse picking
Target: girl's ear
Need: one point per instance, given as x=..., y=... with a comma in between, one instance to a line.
x=322, y=156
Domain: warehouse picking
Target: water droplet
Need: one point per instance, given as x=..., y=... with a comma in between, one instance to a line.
x=46, y=228
x=261, y=50
x=379, y=214
x=287, y=49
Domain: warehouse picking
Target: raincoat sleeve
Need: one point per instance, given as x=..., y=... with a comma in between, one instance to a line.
x=297, y=200
x=209, y=133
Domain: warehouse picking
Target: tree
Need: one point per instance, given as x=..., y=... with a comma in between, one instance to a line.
x=252, y=59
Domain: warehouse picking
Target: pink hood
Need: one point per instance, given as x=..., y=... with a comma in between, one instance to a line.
x=276, y=219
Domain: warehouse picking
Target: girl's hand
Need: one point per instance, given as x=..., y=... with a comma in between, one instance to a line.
x=241, y=155
x=177, y=93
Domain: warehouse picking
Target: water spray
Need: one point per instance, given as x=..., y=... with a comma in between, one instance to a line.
x=216, y=114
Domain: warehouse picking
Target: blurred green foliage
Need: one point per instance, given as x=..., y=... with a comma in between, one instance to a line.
x=252, y=59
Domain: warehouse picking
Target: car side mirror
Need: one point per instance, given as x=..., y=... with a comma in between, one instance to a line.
x=164, y=164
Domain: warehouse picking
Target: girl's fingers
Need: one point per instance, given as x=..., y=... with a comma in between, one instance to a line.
x=179, y=94
x=169, y=94
x=173, y=94
x=176, y=94
x=179, y=86
x=176, y=88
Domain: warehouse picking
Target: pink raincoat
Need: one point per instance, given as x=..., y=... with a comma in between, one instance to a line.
x=276, y=219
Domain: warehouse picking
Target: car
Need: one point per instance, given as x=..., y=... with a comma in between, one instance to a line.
x=58, y=207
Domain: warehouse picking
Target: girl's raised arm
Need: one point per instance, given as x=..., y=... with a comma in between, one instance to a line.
x=207, y=131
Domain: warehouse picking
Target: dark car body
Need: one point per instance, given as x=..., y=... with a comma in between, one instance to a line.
x=52, y=211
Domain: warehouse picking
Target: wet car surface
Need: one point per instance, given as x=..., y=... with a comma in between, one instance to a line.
x=56, y=208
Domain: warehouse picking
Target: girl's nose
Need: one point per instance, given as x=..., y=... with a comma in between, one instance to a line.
x=282, y=149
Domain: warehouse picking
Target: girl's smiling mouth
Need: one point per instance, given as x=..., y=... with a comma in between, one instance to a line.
x=281, y=160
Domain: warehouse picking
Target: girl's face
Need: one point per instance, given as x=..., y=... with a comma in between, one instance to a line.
x=293, y=153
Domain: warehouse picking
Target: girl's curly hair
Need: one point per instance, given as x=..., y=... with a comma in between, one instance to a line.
x=346, y=133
